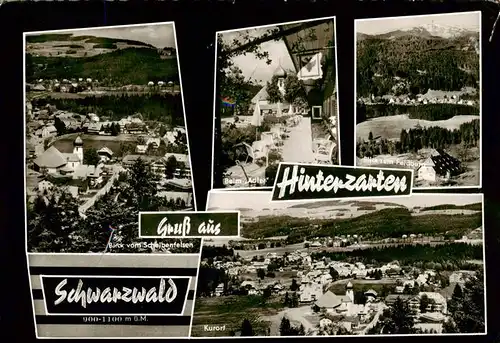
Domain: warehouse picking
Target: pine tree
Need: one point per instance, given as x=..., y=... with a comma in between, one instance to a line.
x=285, y=327
x=398, y=319
x=246, y=328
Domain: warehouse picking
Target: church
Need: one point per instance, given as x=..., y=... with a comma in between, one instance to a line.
x=53, y=162
x=333, y=303
x=260, y=103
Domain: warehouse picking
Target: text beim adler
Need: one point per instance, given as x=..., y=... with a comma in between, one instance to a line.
x=319, y=183
x=114, y=295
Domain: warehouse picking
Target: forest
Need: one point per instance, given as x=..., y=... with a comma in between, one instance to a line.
x=423, y=62
x=136, y=66
x=385, y=223
x=452, y=256
x=423, y=111
x=165, y=108
x=413, y=140
x=54, y=223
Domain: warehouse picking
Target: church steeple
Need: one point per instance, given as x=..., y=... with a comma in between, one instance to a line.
x=78, y=148
x=281, y=74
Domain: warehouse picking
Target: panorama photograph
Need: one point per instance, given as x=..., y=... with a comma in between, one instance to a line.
x=388, y=266
x=105, y=136
x=418, y=91
x=277, y=100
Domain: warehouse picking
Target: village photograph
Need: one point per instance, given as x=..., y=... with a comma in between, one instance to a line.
x=386, y=266
x=277, y=100
x=105, y=137
x=418, y=91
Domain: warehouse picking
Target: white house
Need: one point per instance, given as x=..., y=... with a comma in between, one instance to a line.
x=49, y=131
x=105, y=154
x=141, y=149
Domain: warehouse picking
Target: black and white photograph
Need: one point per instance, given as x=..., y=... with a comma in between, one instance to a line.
x=418, y=97
x=388, y=266
x=105, y=137
x=276, y=99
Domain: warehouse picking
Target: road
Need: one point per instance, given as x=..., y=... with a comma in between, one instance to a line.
x=295, y=315
x=90, y=202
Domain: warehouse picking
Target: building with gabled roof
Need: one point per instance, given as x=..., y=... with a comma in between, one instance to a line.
x=105, y=153
x=439, y=164
x=50, y=161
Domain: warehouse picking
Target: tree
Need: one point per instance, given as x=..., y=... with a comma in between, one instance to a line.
x=398, y=319
x=424, y=303
x=141, y=191
x=162, y=131
x=53, y=219
x=294, y=285
x=294, y=90
x=294, y=301
x=285, y=327
x=370, y=136
x=90, y=157
x=286, y=301
x=467, y=312
x=261, y=273
x=274, y=94
x=457, y=293
x=115, y=129
x=266, y=294
x=334, y=273
x=60, y=126
x=246, y=328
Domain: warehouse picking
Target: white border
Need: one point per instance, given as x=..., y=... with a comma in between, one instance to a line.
x=24, y=174
x=196, y=286
x=333, y=194
x=386, y=335
x=238, y=213
x=480, y=90
x=338, y=141
x=115, y=277
x=24, y=105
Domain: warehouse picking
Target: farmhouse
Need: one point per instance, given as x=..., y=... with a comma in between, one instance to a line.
x=94, y=128
x=439, y=164
x=105, y=154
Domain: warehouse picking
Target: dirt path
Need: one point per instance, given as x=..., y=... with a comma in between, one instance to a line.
x=298, y=147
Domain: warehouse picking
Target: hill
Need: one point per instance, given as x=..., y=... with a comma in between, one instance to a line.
x=120, y=67
x=418, y=60
x=385, y=223
x=44, y=38
x=354, y=203
x=475, y=207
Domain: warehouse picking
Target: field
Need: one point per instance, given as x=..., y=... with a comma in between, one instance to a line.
x=125, y=66
x=65, y=143
x=231, y=311
x=81, y=46
x=390, y=127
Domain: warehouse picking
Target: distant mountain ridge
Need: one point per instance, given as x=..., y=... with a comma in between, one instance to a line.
x=435, y=31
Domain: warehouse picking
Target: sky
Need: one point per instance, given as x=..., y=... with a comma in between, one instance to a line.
x=258, y=200
x=159, y=35
x=257, y=69
x=468, y=20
